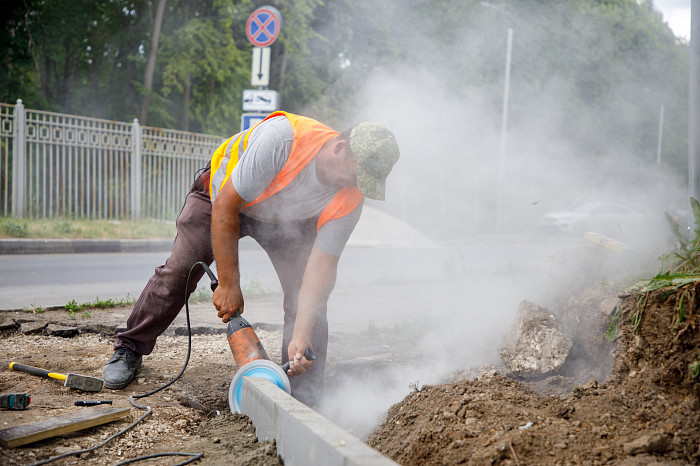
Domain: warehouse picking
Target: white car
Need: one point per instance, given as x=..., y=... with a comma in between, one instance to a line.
x=600, y=217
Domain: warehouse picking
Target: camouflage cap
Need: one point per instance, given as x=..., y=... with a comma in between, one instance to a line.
x=376, y=153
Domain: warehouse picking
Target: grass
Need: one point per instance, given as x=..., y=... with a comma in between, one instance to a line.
x=65, y=228
x=73, y=307
x=34, y=309
x=680, y=269
x=611, y=332
x=686, y=259
x=250, y=286
x=695, y=369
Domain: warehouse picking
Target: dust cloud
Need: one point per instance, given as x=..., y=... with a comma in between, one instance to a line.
x=447, y=186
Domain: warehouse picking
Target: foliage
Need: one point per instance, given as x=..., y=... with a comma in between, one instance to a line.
x=74, y=307
x=83, y=228
x=34, y=309
x=12, y=228
x=680, y=268
x=695, y=369
x=252, y=286
x=611, y=332
x=201, y=295
x=205, y=65
x=685, y=260
x=104, y=304
x=89, y=57
x=637, y=316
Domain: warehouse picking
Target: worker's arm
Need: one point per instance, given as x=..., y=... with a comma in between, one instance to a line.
x=225, y=232
x=316, y=287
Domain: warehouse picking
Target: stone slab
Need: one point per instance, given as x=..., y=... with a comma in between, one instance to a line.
x=303, y=437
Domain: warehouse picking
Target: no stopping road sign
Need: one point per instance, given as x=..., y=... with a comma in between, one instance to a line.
x=263, y=26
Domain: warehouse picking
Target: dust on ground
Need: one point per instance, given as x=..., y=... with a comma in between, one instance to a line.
x=631, y=401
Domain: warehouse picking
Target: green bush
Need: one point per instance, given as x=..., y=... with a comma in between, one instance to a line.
x=12, y=229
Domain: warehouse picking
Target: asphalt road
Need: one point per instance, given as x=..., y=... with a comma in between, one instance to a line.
x=46, y=280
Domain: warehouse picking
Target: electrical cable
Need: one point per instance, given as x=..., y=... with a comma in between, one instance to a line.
x=149, y=410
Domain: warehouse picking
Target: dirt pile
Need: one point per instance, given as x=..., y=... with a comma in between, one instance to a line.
x=646, y=410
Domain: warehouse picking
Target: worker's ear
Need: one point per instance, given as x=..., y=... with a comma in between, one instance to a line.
x=340, y=146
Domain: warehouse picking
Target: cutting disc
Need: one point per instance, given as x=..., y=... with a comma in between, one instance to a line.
x=258, y=368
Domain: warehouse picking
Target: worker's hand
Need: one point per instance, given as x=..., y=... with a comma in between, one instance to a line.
x=228, y=301
x=298, y=364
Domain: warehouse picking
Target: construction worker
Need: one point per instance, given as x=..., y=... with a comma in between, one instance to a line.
x=296, y=187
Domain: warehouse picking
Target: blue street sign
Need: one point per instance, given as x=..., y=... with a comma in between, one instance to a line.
x=249, y=120
x=263, y=26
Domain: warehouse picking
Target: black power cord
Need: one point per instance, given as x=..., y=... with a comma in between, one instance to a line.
x=149, y=410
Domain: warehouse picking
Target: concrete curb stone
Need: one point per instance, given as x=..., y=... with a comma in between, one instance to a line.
x=303, y=436
x=77, y=246
x=68, y=246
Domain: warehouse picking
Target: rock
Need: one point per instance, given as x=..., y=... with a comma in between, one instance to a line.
x=270, y=450
x=31, y=327
x=609, y=305
x=536, y=345
x=192, y=403
x=61, y=331
x=7, y=324
x=652, y=443
x=60, y=450
x=640, y=342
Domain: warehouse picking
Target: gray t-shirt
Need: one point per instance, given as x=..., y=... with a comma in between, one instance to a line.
x=269, y=146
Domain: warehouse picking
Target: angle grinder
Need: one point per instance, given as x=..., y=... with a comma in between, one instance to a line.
x=251, y=359
x=250, y=356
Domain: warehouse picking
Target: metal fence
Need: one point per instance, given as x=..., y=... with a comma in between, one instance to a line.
x=57, y=165
x=6, y=139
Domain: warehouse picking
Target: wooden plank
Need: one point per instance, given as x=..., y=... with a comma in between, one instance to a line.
x=60, y=425
x=607, y=242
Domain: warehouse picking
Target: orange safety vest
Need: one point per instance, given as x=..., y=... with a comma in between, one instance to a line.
x=309, y=137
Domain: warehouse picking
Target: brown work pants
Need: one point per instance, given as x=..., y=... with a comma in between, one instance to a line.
x=288, y=246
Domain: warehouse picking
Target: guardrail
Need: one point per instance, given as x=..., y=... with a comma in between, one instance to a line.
x=59, y=165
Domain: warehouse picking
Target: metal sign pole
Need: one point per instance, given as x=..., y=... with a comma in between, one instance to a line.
x=262, y=29
x=694, y=110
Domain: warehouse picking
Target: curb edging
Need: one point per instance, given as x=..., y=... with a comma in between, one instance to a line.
x=303, y=437
x=69, y=246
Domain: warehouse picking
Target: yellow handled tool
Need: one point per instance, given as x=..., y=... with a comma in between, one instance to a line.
x=79, y=382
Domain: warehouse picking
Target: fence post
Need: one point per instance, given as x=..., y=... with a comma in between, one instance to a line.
x=135, y=169
x=19, y=161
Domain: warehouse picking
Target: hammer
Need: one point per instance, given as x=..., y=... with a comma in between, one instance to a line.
x=79, y=382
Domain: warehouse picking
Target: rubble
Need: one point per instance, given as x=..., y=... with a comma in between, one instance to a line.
x=536, y=345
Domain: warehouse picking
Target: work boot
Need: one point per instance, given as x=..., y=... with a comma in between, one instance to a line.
x=120, y=368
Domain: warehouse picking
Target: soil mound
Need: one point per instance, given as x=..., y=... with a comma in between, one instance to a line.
x=632, y=401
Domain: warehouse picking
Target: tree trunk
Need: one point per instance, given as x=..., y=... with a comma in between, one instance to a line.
x=46, y=80
x=185, y=116
x=151, y=62
x=69, y=71
x=97, y=105
x=187, y=8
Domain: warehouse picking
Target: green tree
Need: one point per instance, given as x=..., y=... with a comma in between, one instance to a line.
x=18, y=73
x=205, y=65
x=90, y=57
